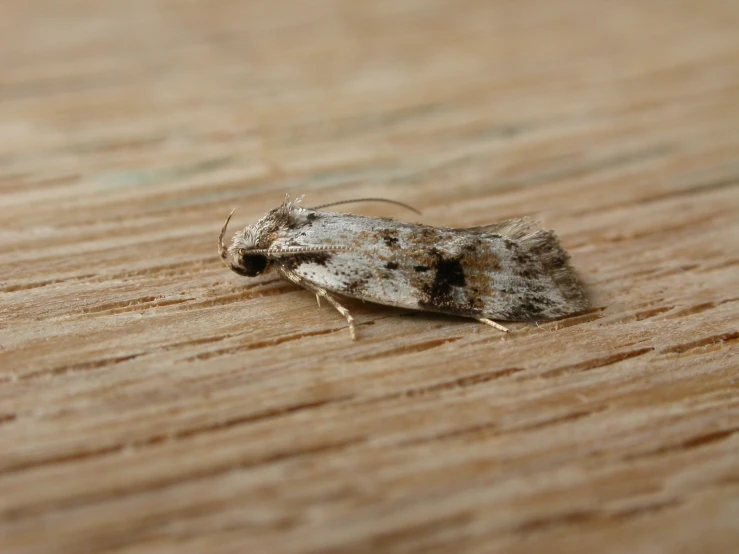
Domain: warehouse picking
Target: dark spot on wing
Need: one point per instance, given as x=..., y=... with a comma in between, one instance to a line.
x=293, y=261
x=449, y=273
x=529, y=263
x=438, y=293
x=355, y=287
x=391, y=265
x=420, y=268
x=521, y=258
x=475, y=304
x=530, y=273
x=311, y=216
x=527, y=309
x=426, y=236
x=389, y=236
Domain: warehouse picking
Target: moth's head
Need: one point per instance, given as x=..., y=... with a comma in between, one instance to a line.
x=244, y=256
x=247, y=254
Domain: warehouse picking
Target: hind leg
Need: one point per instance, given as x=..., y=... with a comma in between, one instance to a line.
x=492, y=323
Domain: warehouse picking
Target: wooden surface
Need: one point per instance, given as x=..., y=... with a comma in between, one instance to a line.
x=153, y=401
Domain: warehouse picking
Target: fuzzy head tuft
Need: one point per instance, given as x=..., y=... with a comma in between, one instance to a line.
x=248, y=253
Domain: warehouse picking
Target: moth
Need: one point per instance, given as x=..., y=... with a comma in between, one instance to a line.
x=510, y=271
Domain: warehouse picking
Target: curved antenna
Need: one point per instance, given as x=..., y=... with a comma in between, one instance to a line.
x=221, y=247
x=406, y=206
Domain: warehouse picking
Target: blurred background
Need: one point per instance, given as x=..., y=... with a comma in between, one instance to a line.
x=183, y=107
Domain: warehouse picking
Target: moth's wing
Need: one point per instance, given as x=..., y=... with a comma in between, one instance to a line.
x=508, y=271
x=549, y=288
x=347, y=254
x=360, y=257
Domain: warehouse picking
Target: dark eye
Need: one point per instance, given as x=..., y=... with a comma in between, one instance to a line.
x=253, y=264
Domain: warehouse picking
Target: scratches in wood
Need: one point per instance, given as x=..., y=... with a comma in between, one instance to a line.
x=699, y=308
x=581, y=518
x=256, y=345
x=450, y=385
x=685, y=445
x=716, y=341
x=594, y=314
x=226, y=299
x=134, y=305
x=7, y=418
x=410, y=348
x=182, y=434
x=596, y=363
x=206, y=473
x=82, y=366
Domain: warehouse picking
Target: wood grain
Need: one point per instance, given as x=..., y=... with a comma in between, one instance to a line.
x=152, y=401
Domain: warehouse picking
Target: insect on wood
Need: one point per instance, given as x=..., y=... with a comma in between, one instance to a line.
x=510, y=271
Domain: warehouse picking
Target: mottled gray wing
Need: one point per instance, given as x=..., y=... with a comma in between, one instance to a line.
x=506, y=271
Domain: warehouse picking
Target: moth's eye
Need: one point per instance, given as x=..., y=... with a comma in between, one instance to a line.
x=253, y=264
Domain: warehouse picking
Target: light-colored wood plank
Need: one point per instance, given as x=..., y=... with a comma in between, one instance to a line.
x=152, y=401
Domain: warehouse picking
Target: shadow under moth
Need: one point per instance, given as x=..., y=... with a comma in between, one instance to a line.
x=508, y=271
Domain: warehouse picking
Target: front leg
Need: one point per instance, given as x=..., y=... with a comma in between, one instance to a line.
x=320, y=292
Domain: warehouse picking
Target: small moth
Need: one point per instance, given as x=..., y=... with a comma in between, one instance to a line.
x=508, y=271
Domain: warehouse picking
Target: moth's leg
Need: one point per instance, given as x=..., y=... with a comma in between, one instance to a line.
x=490, y=322
x=341, y=309
x=318, y=299
x=320, y=292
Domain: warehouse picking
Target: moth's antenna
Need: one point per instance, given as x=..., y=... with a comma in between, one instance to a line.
x=406, y=206
x=221, y=247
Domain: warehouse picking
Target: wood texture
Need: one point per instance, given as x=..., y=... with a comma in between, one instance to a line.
x=152, y=401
